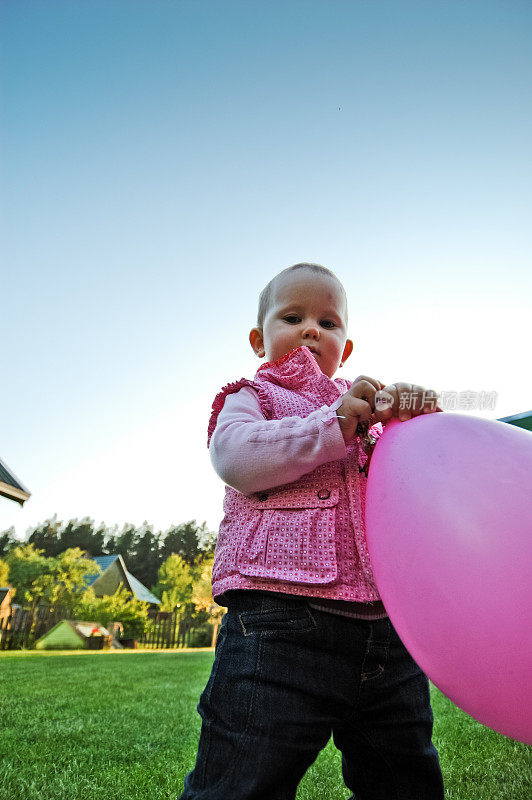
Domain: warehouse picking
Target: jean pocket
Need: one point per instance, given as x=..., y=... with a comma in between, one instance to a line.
x=275, y=621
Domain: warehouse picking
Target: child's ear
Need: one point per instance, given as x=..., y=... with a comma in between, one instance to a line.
x=348, y=349
x=257, y=341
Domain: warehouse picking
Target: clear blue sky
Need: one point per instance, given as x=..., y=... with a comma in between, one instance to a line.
x=161, y=161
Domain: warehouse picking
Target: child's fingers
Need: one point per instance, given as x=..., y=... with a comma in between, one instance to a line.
x=364, y=410
x=364, y=390
x=353, y=411
x=405, y=400
x=374, y=382
x=386, y=402
x=424, y=401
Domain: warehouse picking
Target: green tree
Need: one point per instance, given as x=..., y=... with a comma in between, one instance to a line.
x=119, y=607
x=28, y=570
x=67, y=577
x=46, y=537
x=82, y=534
x=203, y=599
x=123, y=543
x=8, y=540
x=189, y=540
x=174, y=584
x=4, y=573
x=54, y=581
x=145, y=560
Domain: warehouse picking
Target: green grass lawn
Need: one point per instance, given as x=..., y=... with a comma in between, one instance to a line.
x=123, y=726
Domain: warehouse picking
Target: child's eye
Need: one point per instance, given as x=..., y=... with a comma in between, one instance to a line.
x=292, y=319
x=328, y=323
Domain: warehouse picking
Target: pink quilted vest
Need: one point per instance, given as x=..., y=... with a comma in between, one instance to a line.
x=306, y=537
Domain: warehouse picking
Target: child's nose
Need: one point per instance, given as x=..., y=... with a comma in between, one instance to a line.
x=311, y=332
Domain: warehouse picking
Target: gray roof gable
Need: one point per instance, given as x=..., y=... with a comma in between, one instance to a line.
x=140, y=591
x=522, y=420
x=10, y=486
x=135, y=586
x=103, y=562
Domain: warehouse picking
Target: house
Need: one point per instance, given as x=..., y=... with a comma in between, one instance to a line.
x=113, y=575
x=70, y=634
x=10, y=486
x=523, y=420
x=6, y=595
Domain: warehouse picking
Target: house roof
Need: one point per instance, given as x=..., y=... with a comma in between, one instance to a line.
x=140, y=591
x=103, y=562
x=522, y=420
x=135, y=586
x=10, y=486
x=4, y=591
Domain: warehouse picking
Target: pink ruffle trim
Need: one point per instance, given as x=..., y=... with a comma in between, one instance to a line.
x=232, y=388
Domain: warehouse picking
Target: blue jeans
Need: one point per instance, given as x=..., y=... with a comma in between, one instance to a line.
x=284, y=678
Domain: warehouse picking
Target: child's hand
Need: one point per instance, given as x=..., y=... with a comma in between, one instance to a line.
x=358, y=405
x=404, y=400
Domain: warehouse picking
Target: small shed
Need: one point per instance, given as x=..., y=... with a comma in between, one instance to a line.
x=73, y=634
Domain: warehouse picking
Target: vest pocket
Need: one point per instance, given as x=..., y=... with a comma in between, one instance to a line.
x=292, y=536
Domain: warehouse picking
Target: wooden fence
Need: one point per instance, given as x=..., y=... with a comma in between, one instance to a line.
x=168, y=629
x=21, y=628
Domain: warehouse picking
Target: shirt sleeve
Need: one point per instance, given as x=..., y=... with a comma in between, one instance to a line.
x=251, y=453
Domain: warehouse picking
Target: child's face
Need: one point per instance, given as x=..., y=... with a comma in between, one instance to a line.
x=308, y=308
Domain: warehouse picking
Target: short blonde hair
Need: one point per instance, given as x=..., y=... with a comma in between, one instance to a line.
x=266, y=296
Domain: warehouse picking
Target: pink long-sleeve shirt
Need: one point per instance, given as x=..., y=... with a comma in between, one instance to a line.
x=252, y=454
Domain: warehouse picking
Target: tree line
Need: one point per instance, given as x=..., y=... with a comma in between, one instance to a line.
x=143, y=549
x=52, y=564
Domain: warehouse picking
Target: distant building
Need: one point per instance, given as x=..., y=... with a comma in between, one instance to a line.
x=113, y=575
x=11, y=487
x=6, y=595
x=523, y=420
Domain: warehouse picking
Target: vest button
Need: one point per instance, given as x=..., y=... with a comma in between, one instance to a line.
x=324, y=494
x=263, y=496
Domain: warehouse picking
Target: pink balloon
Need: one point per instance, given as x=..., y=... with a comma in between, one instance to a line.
x=449, y=530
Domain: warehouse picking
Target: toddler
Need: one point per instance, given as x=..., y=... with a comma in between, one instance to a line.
x=306, y=648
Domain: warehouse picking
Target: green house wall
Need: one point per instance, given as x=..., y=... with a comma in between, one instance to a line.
x=109, y=581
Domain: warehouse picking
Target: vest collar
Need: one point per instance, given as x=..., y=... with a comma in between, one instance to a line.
x=296, y=370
